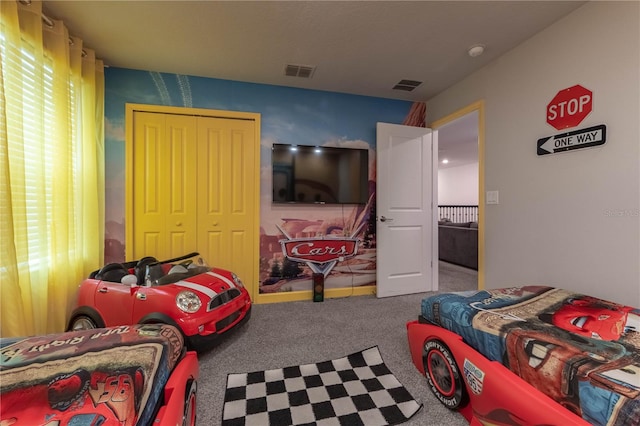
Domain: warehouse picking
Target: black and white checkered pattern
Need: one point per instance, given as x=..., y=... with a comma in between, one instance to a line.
x=355, y=390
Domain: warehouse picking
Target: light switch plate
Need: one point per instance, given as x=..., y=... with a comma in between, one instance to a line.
x=492, y=197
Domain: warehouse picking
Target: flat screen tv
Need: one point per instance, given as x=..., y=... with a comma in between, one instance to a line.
x=320, y=174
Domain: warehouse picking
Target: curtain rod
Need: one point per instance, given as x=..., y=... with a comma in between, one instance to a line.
x=50, y=23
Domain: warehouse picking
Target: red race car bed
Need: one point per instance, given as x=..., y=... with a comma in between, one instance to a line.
x=530, y=355
x=127, y=375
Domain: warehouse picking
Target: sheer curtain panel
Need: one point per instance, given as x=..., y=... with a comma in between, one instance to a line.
x=51, y=169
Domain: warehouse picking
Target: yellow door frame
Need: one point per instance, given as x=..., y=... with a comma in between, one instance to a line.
x=130, y=109
x=479, y=107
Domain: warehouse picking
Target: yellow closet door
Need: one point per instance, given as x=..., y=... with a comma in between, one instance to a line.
x=228, y=196
x=165, y=185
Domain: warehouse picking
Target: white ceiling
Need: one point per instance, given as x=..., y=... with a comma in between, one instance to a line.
x=357, y=47
x=458, y=141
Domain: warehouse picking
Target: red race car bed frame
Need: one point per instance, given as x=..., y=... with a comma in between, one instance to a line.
x=530, y=356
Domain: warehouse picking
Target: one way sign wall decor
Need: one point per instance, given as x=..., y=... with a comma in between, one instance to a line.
x=576, y=139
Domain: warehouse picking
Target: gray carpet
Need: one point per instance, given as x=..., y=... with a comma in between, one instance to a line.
x=284, y=334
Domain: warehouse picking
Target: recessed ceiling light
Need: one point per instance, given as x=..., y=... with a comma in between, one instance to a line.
x=476, y=50
x=445, y=161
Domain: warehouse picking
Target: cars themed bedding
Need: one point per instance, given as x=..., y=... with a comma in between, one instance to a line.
x=109, y=376
x=581, y=351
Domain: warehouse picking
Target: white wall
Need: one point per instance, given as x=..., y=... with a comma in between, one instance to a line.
x=569, y=220
x=458, y=185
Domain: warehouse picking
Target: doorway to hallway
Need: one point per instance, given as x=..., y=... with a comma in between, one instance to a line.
x=460, y=192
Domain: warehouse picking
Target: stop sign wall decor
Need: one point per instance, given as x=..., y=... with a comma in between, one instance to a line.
x=569, y=107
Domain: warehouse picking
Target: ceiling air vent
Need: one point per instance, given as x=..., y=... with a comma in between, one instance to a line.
x=304, y=71
x=407, y=85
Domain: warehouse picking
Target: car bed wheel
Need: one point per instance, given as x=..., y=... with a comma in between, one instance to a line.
x=443, y=374
x=83, y=322
x=189, y=417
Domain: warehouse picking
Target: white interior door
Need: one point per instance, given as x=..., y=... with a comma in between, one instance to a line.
x=406, y=230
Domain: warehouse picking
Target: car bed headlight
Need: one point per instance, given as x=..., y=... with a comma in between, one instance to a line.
x=237, y=280
x=188, y=301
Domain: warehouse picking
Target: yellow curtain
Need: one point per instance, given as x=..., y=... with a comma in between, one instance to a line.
x=51, y=170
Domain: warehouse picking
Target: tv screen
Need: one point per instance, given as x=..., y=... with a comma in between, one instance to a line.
x=320, y=174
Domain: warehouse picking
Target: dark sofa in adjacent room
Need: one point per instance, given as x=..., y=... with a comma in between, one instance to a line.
x=458, y=243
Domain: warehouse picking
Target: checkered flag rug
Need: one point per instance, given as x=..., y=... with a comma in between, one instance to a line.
x=358, y=389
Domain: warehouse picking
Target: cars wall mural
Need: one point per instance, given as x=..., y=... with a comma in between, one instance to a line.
x=336, y=240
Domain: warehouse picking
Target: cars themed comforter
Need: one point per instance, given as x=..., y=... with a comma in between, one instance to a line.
x=111, y=376
x=581, y=351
